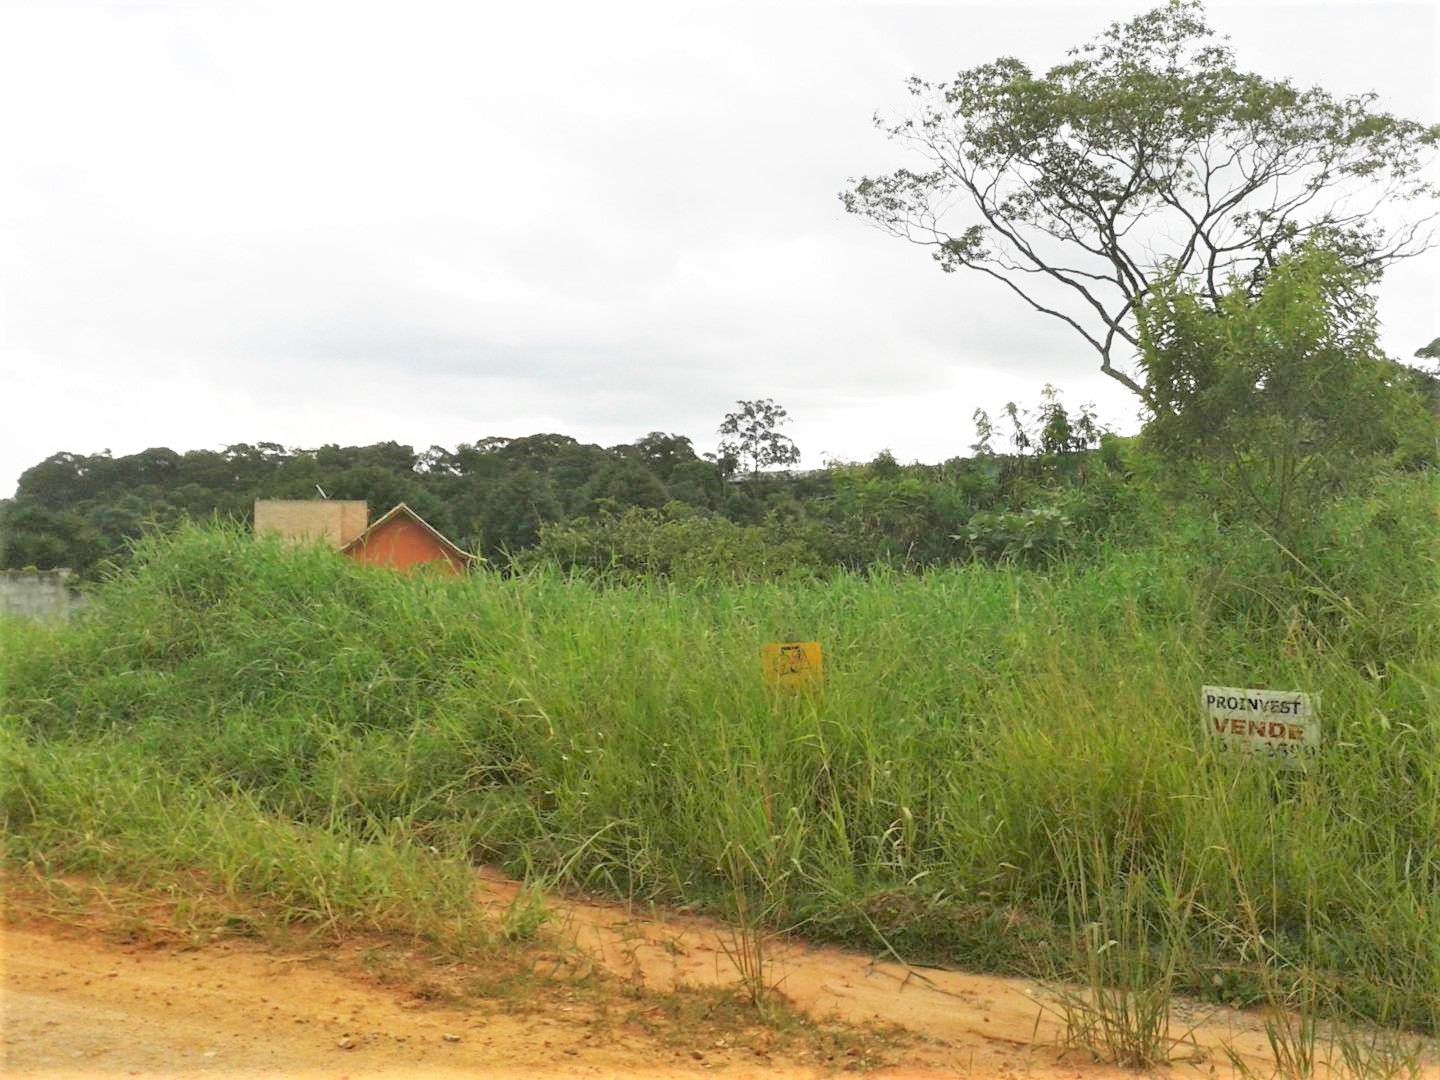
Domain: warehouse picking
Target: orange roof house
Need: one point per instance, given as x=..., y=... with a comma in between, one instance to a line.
x=401, y=538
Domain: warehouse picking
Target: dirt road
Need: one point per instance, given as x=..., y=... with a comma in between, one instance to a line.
x=969, y=1025
x=82, y=1006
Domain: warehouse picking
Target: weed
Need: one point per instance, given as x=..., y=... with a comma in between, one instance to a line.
x=345, y=744
x=1370, y=1051
x=1112, y=1017
x=745, y=945
x=525, y=915
x=1114, y=996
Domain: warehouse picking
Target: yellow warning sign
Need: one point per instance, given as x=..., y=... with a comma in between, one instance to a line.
x=791, y=665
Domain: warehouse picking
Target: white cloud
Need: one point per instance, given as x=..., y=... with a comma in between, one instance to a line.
x=432, y=222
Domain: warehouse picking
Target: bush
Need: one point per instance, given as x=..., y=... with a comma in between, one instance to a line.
x=1033, y=537
x=1277, y=402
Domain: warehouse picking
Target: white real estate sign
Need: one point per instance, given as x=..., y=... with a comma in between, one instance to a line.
x=1279, y=724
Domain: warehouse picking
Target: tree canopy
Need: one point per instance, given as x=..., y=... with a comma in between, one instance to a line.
x=1147, y=155
x=751, y=435
x=493, y=495
x=504, y=496
x=1282, y=398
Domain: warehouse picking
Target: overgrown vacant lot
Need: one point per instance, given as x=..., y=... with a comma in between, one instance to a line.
x=1006, y=768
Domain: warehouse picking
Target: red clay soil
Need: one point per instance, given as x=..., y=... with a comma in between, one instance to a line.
x=78, y=1005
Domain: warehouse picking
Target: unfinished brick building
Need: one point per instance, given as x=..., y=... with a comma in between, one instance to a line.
x=333, y=522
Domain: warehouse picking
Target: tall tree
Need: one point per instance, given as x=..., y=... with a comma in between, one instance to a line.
x=1147, y=155
x=751, y=436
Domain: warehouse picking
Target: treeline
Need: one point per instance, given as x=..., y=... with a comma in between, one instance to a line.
x=650, y=506
x=1264, y=406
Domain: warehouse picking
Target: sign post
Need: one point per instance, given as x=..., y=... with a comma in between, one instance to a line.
x=792, y=665
x=1283, y=725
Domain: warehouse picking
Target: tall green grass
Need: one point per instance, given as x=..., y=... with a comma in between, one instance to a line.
x=998, y=757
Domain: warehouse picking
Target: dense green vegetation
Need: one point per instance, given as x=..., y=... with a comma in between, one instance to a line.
x=1006, y=766
x=497, y=496
x=999, y=754
x=78, y=510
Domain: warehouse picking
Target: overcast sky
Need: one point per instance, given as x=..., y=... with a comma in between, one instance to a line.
x=309, y=223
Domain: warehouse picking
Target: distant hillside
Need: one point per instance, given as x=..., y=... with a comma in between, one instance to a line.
x=496, y=495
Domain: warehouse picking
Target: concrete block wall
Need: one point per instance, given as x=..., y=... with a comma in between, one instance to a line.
x=334, y=521
x=43, y=595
